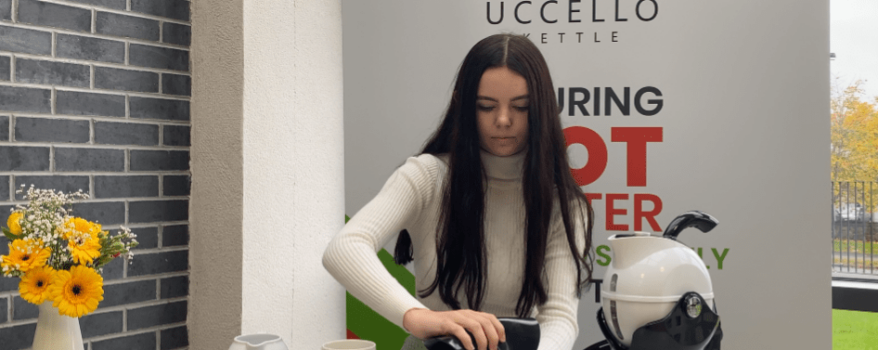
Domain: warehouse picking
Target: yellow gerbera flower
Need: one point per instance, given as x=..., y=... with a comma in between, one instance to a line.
x=25, y=254
x=76, y=292
x=14, y=223
x=81, y=226
x=34, y=286
x=84, y=250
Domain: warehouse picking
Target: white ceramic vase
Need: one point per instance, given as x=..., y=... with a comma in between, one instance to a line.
x=55, y=331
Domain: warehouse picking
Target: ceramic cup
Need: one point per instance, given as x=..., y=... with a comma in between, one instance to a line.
x=258, y=341
x=349, y=344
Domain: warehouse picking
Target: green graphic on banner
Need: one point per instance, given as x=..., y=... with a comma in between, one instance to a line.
x=367, y=324
x=604, y=257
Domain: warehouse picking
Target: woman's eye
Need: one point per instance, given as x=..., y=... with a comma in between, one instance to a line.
x=485, y=108
x=522, y=108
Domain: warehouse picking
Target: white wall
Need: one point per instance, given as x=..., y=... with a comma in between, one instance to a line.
x=293, y=174
x=286, y=139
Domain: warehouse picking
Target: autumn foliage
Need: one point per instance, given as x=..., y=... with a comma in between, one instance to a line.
x=854, y=146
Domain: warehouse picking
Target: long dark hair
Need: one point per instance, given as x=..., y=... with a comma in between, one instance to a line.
x=460, y=239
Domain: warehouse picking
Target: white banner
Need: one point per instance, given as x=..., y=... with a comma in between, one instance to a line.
x=720, y=106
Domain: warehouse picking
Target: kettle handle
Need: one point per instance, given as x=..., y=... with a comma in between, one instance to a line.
x=700, y=220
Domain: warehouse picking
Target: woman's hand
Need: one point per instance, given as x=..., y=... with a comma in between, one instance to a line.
x=485, y=327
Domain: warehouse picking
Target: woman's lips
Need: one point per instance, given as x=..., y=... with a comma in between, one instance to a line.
x=504, y=140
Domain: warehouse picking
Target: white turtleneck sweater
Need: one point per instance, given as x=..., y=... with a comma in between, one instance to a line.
x=411, y=200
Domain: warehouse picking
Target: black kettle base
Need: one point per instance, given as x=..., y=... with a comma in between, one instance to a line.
x=676, y=331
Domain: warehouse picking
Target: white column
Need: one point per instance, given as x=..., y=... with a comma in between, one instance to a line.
x=267, y=105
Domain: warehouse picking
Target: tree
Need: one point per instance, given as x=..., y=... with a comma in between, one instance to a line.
x=854, y=142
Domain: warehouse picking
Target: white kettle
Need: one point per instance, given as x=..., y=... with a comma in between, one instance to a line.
x=656, y=278
x=258, y=342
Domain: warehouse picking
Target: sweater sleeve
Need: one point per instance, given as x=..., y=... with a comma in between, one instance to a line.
x=558, y=316
x=350, y=257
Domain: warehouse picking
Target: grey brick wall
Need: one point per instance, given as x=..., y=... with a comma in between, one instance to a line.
x=94, y=95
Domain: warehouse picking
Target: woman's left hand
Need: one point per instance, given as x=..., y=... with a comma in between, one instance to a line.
x=485, y=328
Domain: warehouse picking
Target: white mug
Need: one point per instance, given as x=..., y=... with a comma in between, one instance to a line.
x=260, y=341
x=349, y=344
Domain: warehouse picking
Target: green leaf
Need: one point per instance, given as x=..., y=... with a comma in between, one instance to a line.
x=100, y=262
x=9, y=235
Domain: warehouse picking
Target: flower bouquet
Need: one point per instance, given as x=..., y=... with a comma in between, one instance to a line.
x=59, y=257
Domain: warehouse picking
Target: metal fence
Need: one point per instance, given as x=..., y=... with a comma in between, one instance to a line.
x=854, y=227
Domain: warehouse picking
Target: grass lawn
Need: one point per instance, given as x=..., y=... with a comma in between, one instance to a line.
x=855, y=246
x=854, y=330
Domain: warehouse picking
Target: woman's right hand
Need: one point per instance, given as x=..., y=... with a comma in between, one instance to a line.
x=486, y=329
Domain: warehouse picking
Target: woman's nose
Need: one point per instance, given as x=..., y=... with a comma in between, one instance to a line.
x=503, y=118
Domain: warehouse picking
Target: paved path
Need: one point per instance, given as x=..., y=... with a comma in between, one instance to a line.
x=855, y=259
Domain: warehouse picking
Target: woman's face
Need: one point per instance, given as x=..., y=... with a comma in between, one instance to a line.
x=501, y=108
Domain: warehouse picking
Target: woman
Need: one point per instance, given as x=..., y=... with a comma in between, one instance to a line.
x=489, y=211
